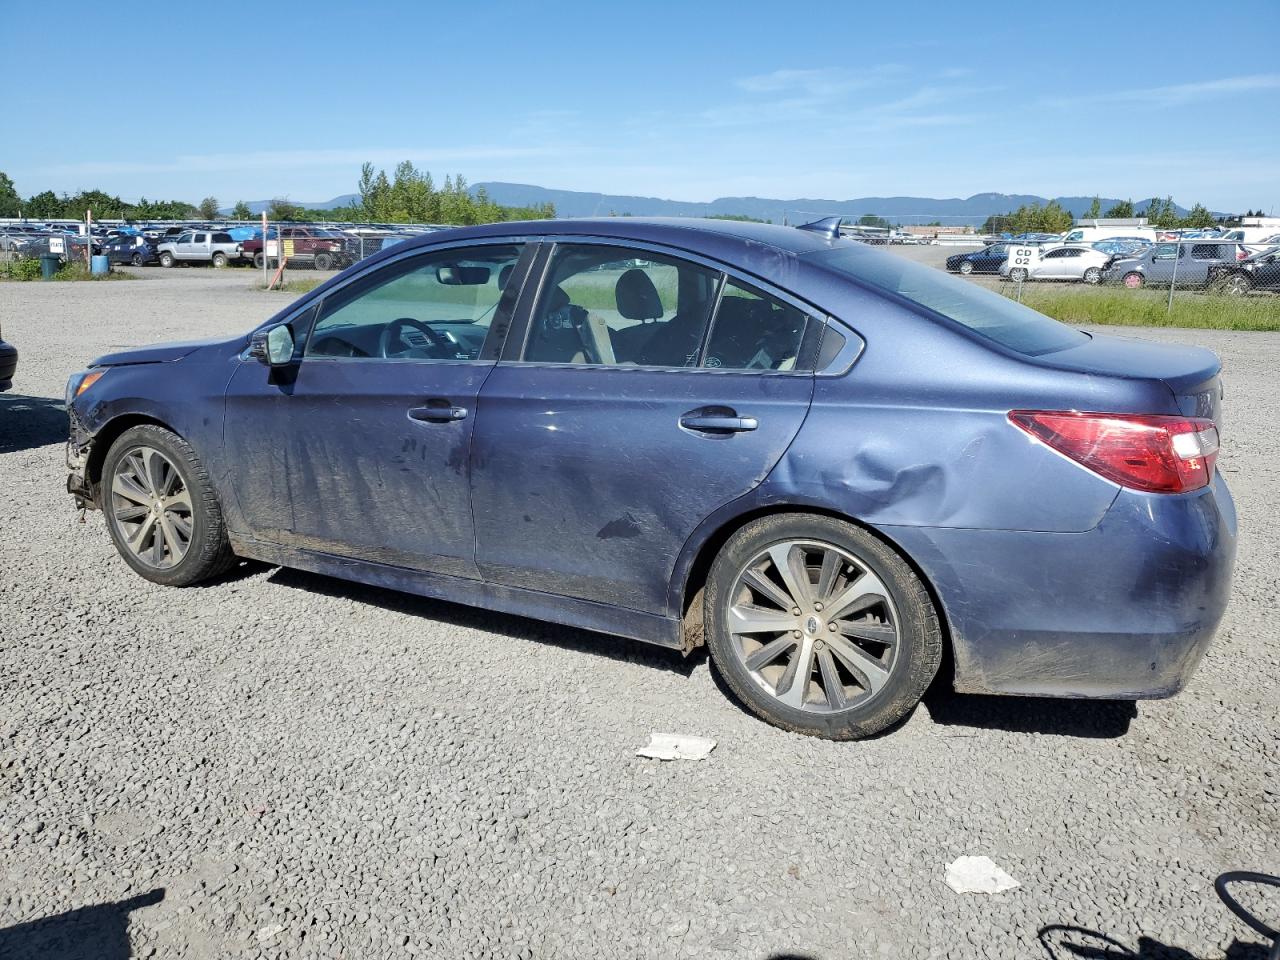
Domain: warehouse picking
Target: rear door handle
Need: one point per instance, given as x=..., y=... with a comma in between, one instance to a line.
x=709, y=423
x=438, y=411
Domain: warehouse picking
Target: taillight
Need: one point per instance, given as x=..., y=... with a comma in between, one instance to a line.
x=1151, y=453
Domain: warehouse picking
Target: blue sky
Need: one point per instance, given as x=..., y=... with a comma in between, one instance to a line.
x=690, y=101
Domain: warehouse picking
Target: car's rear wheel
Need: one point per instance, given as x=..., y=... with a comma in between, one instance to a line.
x=1133, y=280
x=323, y=261
x=966, y=268
x=1093, y=275
x=136, y=259
x=219, y=259
x=820, y=627
x=161, y=509
x=166, y=259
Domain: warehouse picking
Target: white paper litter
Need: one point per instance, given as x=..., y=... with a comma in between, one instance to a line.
x=978, y=875
x=676, y=746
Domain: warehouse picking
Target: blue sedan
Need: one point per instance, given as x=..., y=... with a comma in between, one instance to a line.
x=825, y=463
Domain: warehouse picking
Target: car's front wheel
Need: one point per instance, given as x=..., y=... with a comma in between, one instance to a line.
x=1018, y=274
x=1093, y=275
x=966, y=268
x=136, y=259
x=1133, y=280
x=323, y=261
x=820, y=627
x=161, y=508
x=1235, y=285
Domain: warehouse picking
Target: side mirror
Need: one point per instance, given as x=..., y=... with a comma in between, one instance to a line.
x=273, y=347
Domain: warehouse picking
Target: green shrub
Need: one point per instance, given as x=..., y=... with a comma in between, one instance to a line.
x=27, y=268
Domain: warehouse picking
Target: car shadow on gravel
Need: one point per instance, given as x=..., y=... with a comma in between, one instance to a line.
x=1087, y=719
x=604, y=645
x=90, y=933
x=29, y=422
x=1064, y=942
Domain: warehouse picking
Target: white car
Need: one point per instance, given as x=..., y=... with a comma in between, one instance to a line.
x=1068, y=262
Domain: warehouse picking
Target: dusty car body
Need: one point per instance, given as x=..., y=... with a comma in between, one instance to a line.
x=700, y=431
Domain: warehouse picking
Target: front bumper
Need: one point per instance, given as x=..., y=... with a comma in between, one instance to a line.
x=1124, y=611
x=79, y=446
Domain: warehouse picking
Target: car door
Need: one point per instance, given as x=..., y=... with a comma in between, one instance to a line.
x=1050, y=266
x=641, y=392
x=362, y=450
x=1162, y=262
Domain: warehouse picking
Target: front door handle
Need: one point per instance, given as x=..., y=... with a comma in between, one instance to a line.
x=438, y=411
x=718, y=423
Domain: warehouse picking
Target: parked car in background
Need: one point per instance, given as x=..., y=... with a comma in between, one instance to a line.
x=1253, y=239
x=317, y=247
x=200, y=246
x=1183, y=264
x=477, y=414
x=1074, y=262
x=987, y=260
x=1123, y=246
x=1090, y=234
x=1258, y=272
x=135, y=250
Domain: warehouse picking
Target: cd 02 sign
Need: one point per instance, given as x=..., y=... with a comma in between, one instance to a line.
x=1021, y=258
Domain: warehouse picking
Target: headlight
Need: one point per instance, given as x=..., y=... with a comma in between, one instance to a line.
x=82, y=381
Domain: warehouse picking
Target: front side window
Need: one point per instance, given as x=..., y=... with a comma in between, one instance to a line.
x=604, y=305
x=437, y=306
x=1166, y=251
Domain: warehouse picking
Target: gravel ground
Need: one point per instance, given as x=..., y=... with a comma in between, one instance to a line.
x=285, y=765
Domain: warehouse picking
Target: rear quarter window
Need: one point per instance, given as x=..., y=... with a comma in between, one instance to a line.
x=986, y=313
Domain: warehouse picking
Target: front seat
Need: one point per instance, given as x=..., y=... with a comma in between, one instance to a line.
x=637, y=299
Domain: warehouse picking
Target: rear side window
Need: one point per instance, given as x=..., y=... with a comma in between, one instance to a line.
x=222, y=238
x=753, y=331
x=995, y=317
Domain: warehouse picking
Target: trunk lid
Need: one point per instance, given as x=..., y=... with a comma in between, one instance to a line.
x=1190, y=373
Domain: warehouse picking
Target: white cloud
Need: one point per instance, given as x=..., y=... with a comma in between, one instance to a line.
x=1176, y=94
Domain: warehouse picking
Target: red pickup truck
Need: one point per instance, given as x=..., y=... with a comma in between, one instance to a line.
x=322, y=249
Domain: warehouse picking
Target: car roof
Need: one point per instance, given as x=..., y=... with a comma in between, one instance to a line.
x=702, y=235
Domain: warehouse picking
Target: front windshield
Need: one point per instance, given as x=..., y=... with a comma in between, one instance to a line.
x=997, y=318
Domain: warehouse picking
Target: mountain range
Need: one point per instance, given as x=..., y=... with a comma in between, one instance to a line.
x=951, y=211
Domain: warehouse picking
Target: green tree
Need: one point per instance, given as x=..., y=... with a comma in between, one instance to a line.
x=1122, y=210
x=871, y=220
x=282, y=208
x=10, y=202
x=208, y=208
x=1198, y=217
x=241, y=211
x=1095, y=209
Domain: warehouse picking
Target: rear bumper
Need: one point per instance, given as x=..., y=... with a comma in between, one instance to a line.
x=1124, y=611
x=8, y=364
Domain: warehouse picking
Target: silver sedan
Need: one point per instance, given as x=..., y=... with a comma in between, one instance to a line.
x=1070, y=262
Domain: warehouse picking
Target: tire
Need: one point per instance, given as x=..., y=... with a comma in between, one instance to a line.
x=1018, y=274
x=259, y=260
x=189, y=505
x=966, y=267
x=136, y=259
x=219, y=260
x=166, y=259
x=1234, y=285
x=1133, y=280
x=896, y=603
x=323, y=261
x=1092, y=276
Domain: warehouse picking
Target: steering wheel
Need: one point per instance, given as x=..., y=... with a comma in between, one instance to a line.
x=391, y=334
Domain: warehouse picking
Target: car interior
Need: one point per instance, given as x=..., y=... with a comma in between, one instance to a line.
x=595, y=309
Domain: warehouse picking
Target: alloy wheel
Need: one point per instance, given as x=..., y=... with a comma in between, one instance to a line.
x=151, y=508
x=814, y=626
